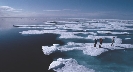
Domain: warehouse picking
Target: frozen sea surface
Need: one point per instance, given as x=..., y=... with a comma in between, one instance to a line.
x=78, y=54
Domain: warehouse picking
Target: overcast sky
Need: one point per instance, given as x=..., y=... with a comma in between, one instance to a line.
x=120, y=9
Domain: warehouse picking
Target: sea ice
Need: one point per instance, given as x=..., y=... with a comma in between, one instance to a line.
x=69, y=35
x=87, y=48
x=30, y=27
x=85, y=25
x=70, y=65
x=127, y=38
x=82, y=27
x=56, y=31
x=103, y=37
x=48, y=50
x=94, y=51
x=106, y=32
x=38, y=25
x=55, y=64
x=63, y=33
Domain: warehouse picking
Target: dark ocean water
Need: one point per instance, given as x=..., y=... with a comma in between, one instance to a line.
x=19, y=53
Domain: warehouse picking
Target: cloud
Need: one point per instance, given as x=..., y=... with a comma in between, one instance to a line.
x=66, y=9
x=9, y=9
x=51, y=10
x=70, y=10
x=61, y=10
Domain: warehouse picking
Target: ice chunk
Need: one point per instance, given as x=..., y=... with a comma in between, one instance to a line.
x=70, y=65
x=55, y=64
x=109, y=32
x=48, y=50
x=56, y=45
x=127, y=38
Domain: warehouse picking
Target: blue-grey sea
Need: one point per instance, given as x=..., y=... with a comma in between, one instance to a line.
x=23, y=52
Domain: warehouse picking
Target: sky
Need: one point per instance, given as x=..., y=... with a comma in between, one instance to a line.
x=109, y=9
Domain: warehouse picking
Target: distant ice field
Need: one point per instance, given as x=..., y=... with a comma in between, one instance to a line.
x=79, y=52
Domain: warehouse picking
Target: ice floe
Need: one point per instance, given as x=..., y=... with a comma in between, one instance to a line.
x=39, y=25
x=69, y=22
x=127, y=38
x=48, y=50
x=86, y=25
x=69, y=35
x=87, y=48
x=63, y=33
x=68, y=65
x=56, y=31
x=31, y=27
x=109, y=32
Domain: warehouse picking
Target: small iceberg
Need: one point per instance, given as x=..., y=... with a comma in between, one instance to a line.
x=48, y=50
x=68, y=65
